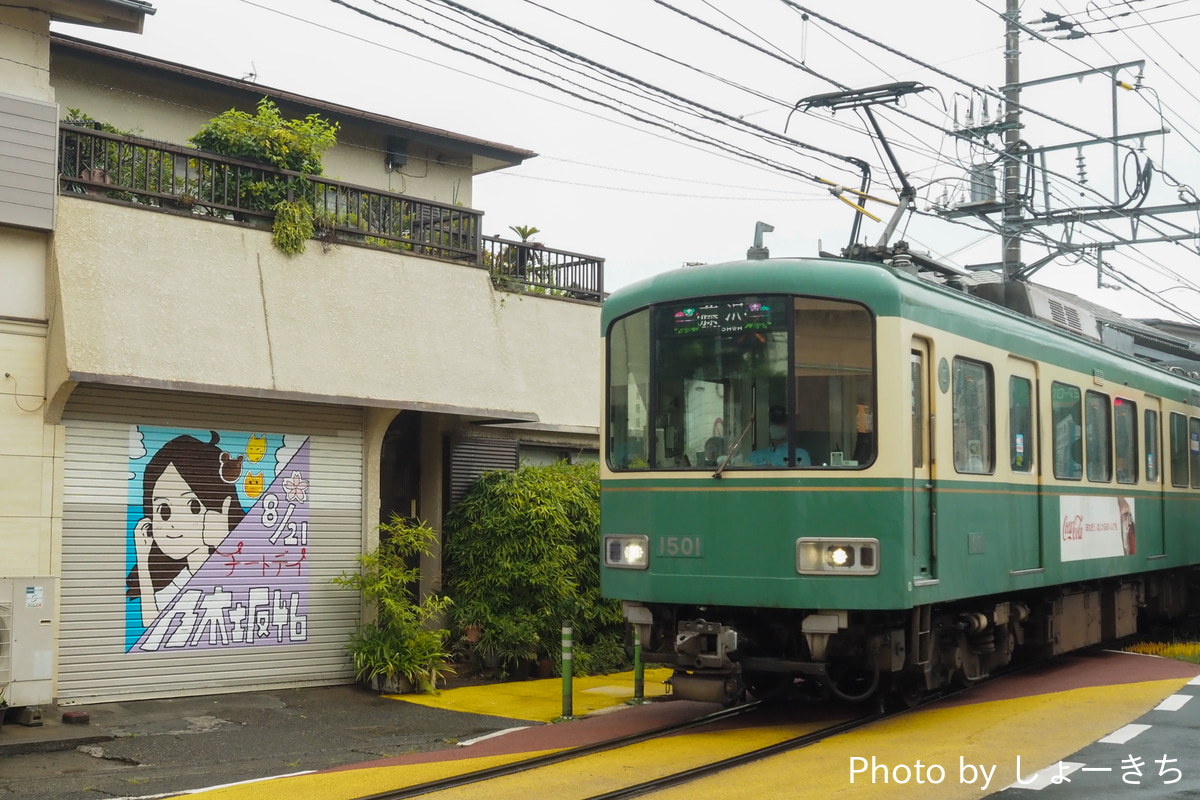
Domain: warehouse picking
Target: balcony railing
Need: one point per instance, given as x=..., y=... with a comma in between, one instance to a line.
x=128, y=169
x=534, y=268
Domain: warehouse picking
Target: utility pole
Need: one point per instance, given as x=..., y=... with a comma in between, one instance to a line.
x=1012, y=137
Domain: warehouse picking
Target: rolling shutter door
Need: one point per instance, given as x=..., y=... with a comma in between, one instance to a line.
x=470, y=458
x=259, y=610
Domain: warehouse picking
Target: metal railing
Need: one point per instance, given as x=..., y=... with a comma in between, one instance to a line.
x=534, y=268
x=139, y=171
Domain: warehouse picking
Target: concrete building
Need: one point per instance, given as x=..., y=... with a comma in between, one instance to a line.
x=197, y=431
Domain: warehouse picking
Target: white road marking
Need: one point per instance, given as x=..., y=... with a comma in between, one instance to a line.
x=1194, y=681
x=211, y=788
x=1173, y=703
x=491, y=735
x=1123, y=735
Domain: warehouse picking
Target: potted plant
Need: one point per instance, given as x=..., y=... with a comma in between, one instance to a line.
x=400, y=650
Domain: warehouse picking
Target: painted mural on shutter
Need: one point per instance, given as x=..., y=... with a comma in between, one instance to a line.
x=217, y=541
x=252, y=508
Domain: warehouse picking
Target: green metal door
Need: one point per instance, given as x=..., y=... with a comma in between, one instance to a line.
x=924, y=552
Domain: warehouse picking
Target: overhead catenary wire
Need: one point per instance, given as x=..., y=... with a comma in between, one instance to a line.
x=765, y=163
x=685, y=133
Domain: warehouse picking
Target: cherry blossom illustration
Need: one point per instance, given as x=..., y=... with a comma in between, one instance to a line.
x=296, y=487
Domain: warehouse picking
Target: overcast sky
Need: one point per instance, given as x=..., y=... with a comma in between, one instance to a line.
x=642, y=180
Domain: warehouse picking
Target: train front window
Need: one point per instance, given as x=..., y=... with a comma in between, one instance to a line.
x=742, y=382
x=721, y=369
x=629, y=392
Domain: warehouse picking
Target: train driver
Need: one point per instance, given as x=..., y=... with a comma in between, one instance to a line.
x=775, y=452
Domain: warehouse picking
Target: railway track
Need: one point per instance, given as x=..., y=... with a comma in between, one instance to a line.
x=549, y=759
x=699, y=771
x=658, y=782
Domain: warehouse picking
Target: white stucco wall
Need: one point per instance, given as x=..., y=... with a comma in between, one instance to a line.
x=30, y=456
x=30, y=450
x=24, y=40
x=22, y=274
x=189, y=301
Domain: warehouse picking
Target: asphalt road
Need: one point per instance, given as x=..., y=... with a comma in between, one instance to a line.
x=168, y=746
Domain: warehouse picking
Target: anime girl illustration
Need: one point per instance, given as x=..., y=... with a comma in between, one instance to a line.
x=189, y=505
x=1128, y=532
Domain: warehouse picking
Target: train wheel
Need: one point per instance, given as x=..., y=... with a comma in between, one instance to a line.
x=768, y=685
x=736, y=697
x=903, y=692
x=912, y=695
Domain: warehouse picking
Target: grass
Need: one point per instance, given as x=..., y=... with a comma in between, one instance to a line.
x=1182, y=651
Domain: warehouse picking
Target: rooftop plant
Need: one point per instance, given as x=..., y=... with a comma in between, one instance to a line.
x=297, y=145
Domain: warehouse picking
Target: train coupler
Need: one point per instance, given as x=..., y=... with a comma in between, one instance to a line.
x=724, y=688
x=705, y=645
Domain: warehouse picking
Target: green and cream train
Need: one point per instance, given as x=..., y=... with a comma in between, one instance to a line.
x=837, y=474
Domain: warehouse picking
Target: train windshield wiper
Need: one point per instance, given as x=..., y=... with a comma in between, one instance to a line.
x=745, y=429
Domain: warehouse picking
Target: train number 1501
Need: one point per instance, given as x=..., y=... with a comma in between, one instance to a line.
x=680, y=546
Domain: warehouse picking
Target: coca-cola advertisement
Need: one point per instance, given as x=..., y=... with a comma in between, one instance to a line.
x=1096, y=527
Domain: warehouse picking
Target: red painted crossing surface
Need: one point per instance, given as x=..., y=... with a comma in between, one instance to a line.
x=1098, y=668
x=1077, y=671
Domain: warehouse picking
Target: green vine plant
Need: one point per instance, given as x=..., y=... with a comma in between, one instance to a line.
x=402, y=642
x=293, y=225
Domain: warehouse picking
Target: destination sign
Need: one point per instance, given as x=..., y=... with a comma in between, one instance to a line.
x=724, y=316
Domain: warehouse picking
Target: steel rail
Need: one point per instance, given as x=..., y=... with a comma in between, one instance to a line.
x=689, y=775
x=524, y=765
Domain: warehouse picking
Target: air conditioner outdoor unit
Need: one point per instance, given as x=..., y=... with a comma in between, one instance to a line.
x=27, y=612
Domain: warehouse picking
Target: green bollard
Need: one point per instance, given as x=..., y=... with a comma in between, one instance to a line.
x=567, y=708
x=639, y=671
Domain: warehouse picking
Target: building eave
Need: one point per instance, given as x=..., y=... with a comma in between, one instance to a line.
x=127, y=16
x=492, y=152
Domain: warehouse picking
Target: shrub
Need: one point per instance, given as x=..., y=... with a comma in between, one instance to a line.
x=522, y=556
x=400, y=643
x=292, y=144
x=266, y=137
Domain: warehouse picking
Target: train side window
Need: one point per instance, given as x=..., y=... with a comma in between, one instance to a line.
x=1066, y=416
x=1125, y=439
x=1097, y=433
x=1179, y=450
x=1194, y=450
x=1020, y=424
x=974, y=426
x=1151, y=429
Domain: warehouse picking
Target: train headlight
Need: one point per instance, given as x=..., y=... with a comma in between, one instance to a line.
x=627, y=551
x=837, y=556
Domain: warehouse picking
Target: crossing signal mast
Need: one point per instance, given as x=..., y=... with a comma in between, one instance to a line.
x=1025, y=203
x=1007, y=214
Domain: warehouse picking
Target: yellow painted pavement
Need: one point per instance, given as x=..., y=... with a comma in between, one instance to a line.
x=541, y=700
x=577, y=778
x=1041, y=729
